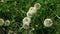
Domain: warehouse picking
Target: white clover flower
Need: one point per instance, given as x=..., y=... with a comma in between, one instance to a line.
x=7, y=23
x=26, y=22
x=1, y=21
x=37, y=6
x=31, y=11
x=48, y=22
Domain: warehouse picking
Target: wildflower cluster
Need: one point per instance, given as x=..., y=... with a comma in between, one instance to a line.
x=5, y=23
x=30, y=13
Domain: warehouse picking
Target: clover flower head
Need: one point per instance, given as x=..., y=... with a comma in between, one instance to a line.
x=31, y=11
x=48, y=22
x=1, y=21
x=7, y=23
x=37, y=6
x=26, y=22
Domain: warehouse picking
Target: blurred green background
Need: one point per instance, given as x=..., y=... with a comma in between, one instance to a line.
x=15, y=11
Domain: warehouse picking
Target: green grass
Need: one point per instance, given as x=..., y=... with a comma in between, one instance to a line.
x=16, y=10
